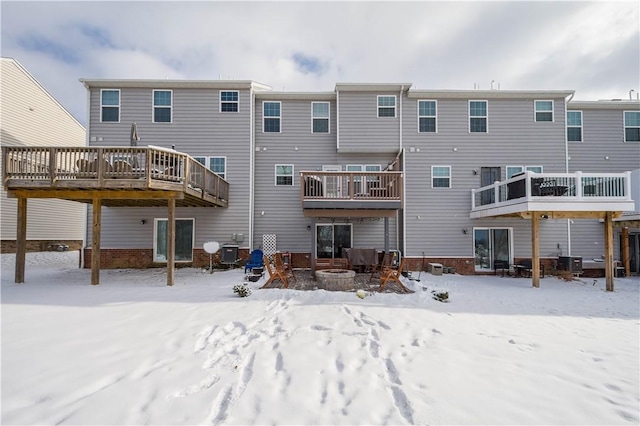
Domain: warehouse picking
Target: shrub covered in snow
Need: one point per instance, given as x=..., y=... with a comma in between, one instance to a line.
x=242, y=290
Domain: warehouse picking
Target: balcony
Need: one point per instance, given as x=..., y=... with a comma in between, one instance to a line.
x=120, y=176
x=351, y=194
x=558, y=195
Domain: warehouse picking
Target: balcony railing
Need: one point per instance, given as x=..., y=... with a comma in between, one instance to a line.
x=110, y=168
x=554, y=187
x=351, y=186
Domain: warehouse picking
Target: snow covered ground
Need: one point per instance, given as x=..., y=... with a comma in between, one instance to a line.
x=135, y=351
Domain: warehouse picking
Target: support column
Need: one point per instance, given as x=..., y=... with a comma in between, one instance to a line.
x=386, y=235
x=626, y=262
x=171, y=241
x=21, y=239
x=608, y=249
x=95, y=241
x=314, y=242
x=535, y=249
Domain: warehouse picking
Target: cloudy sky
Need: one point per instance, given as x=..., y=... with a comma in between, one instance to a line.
x=590, y=47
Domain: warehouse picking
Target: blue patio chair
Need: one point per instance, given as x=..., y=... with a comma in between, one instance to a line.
x=254, y=261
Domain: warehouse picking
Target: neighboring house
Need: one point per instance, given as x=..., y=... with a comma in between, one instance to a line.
x=367, y=165
x=32, y=117
x=604, y=136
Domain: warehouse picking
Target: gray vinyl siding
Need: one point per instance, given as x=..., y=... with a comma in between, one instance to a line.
x=436, y=217
x=198, y=129
x=602, y=136
x=361, y=130
x=282, y=205
x=32, y=117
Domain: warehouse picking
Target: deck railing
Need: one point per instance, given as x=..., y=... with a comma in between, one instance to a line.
x=71, y=166
x=360, y=186
x=576, y=186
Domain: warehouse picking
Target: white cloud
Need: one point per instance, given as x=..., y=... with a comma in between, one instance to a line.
x=439, y=45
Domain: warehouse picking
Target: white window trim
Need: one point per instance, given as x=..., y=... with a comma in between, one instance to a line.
x=207, y=162
x=328, y=118
x=111, y=106
x=220, y=102
x=265, y=117
x=574, y=126
x=427, y=116
x=395, y=104
x=275, y=174
x=155, y=238
x=535, y=111
x=624, y=126
x=486, y=116
x=153, y=106
x=450, y=178
x=522, y=169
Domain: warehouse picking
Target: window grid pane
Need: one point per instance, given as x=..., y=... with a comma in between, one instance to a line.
x=320, y=125
x=162, y=115
x=427, y=124
x=110, y=97
x=574, y=134
x=321, y=109
x=272, y=125
x=478, y=125
x=162, y=98
x=110, y=113
x=272, y=109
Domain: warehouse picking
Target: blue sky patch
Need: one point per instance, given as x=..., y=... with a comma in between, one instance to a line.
x=98, y=36
x=308, y=64
x=49, y=47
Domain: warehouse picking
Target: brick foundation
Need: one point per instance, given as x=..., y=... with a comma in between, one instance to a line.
x=143, y=258
x=9, y=246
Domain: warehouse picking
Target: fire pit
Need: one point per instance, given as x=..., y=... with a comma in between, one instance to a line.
x=335, y=279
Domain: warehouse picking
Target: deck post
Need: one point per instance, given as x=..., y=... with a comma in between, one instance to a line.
x=21, y=239
x=313, y=247
x=386, y=234
x=171, y=241
x=535, y=249
x=608, y=249
x=625, y=251
x=95, y=241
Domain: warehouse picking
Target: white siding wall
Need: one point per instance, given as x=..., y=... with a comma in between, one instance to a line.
x=31, y=117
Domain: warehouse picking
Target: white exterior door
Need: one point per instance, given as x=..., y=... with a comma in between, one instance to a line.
x=332, y=184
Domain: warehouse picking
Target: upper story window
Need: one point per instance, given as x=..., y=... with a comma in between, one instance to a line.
x=478, y=116
x=427, y=117
x=162, y=104
x=574, y=126
x=514, y=170
x=386, y=106
x=632, y=126
x=544, y=110
x=441, y=176
x=271, y=119
x=320, y=117
x=217, y=165
x=284, y=174
x=110, y=105
x=229, y=100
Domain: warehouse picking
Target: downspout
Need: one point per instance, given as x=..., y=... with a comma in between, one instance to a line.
x=404, y=211
x=566, y=166
x=337, y=120
x=252, y=160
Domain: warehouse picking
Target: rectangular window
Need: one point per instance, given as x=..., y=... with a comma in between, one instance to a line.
x=162, y=103
x=284, y=174
x=441, y=176
x=386, y=106
x=514, y=170
x=229, y=100
x=544, y=110
x=320, y=117
x=478, y=116
x=218, y=165
x=574, y=126
x=184, y=240
x=110, y=106
x=632, y=126
x=271, y=119
x=427, y=117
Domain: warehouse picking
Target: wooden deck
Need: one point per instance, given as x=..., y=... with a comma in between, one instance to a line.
x=119, y=176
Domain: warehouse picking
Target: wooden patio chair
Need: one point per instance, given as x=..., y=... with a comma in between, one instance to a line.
x=393, y=275
x=386, y=262
x=274, y=274
x=280, y=264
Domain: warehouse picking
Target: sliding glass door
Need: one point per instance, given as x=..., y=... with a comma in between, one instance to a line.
x=332, y=239
x=184, y=240
x=491, y=244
